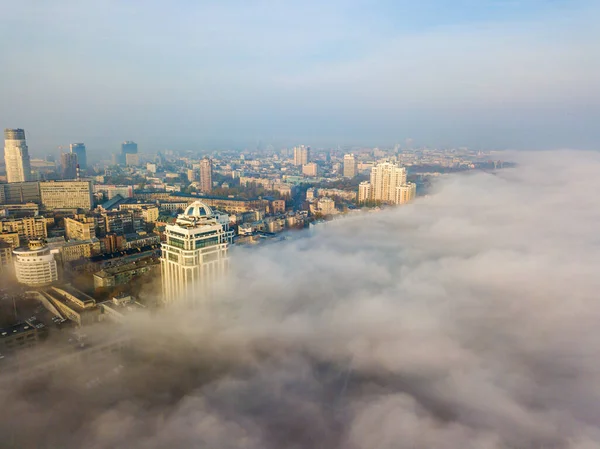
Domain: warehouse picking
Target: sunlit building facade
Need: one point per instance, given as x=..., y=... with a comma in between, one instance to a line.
x=16, y=156
x=35, y=266
x=195, y=254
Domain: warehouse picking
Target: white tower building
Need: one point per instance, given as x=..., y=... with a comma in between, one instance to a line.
x=195, y=253
x=364, y=192
x=16, y=156
x=350, y=168
x=388, y=185
x=35, y=266
x=406, y=193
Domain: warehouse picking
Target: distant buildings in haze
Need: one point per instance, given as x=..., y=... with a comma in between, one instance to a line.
x=79, y=150
x=301, y=155
x=68, y=162
x=350, y=168
x=206, y=175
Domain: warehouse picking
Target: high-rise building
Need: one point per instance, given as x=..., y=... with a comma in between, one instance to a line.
x=349, y=166
x=66, y=195
x=79, y=150
x=35, y=265
x=206, y=175
x=16, y=156
x=127, y=147
x=406, y=193
x=385, y=177
x=195, y=253
x=68, y=162
x=301, y=155
x=132, y=159
x=388, y=185
x=364, y=192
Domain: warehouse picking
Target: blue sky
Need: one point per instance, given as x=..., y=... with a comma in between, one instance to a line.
x=197, y=74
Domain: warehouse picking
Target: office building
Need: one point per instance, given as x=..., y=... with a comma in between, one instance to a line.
x=195, y=254
x=35, y=266
x=16, y=156
x=206, y=175
x=79, y=150
x=350, y=169
x=68, y=162
x=66, y=195
x=19, y=210
x=129, y=147
x=310, y=169
x=20, y=192
x=301, y=155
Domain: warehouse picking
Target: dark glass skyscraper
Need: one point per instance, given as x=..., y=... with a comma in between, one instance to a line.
x=79, y=150
x=127, y=147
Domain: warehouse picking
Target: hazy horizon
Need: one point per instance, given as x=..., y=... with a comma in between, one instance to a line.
x=491, y=74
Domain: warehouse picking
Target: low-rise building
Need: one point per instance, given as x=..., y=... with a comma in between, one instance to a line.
x=22, y=335
x=140, y=240
x=73, y=304
x=12, y=238
x=79, y=249
x=123, y=274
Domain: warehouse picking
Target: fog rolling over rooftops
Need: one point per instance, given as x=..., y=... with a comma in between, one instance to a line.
x=467, y=319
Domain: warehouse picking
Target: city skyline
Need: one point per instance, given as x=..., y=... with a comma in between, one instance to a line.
x=490, y=74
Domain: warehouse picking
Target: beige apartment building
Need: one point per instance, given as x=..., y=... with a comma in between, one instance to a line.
x=80, y=228
x=26, y=228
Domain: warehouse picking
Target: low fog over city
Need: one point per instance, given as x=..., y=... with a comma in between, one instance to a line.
x=465, y=319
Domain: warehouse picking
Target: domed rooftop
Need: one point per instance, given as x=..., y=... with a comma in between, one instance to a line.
x=198, y=210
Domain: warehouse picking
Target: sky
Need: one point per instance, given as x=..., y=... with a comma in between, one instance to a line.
x=467, y=319
x=518, y=74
